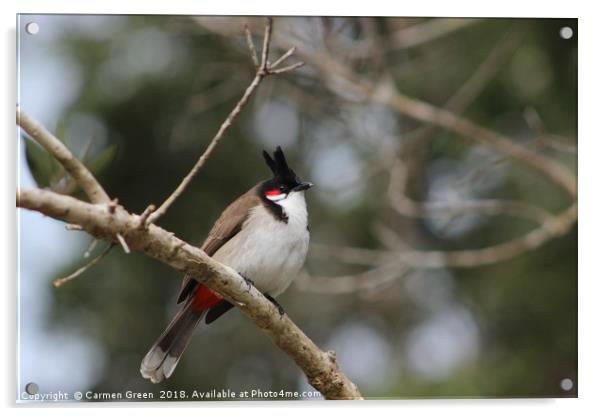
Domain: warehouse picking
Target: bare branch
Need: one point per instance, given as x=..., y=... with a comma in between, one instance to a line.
x=475, y=84
x=251, y=46
x=543, y=138
x=208, y=151
x=408, y=207
x=91, y=247
x=350, y=255
x=59, y=151
x=424, y=32
x=145, y=215
x=367, y=281
x=286, y=68
x=428, y=113
x=560, y=225
x=320, y=367
x=124, y=245
x=283, y=57
x=73, y=227
x=267, y=36
x=60, y=282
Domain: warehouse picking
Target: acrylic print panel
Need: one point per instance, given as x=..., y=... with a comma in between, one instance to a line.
x=442, y=256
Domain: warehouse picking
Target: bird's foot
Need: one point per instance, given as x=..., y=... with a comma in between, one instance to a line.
x=249, y=282
x=275, y=302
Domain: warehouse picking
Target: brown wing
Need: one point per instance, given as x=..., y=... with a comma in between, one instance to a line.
x=226, y=227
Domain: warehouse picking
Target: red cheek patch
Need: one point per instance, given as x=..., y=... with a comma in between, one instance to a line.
x=273, y=192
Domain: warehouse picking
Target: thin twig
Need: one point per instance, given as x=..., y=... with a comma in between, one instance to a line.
x=123, y=243
x=543, y=138
x=87, y=146
x=112, y=205
x=251, y=46
x=349, y=255
x=262, y=72
x=369, y=280
x=428, y=113
x=283, y=57
x=60, y=282
x=63, y=155
x=411, y=208
x=475, y=84
x=286, y=68
x=91, y=247
x=266, y=45
x=144, y=216
x=62, y=182
x=430, y=30
x=208, y=151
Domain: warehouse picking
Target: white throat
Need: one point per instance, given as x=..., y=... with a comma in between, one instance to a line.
x=293, y=205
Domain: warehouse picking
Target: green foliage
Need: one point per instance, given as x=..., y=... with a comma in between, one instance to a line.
x=43, y=167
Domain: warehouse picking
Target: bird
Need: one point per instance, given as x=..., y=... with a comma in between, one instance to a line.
x=264, y=236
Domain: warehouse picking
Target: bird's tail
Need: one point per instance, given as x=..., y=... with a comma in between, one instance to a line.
x=162, y=358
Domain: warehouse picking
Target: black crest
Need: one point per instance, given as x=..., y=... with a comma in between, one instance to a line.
x=282, y=173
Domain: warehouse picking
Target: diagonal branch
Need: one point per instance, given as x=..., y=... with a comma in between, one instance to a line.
x=320, y=367
x=428, y=113
x=59, y=151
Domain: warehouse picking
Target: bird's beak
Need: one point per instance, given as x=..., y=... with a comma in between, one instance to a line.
x=303, y=186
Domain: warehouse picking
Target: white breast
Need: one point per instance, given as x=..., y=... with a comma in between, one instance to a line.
x=268, y=251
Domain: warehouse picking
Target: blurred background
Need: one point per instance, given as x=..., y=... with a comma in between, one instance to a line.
x=138, y=98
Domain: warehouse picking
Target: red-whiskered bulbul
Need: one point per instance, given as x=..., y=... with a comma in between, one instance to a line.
x=264, y=236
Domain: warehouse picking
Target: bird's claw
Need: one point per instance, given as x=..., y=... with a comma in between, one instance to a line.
x=250, y=283
x=275, y=303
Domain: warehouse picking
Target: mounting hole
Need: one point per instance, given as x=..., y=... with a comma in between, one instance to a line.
x=32, y=28
x=566, y=32
x=566, y=384
x=32, y=388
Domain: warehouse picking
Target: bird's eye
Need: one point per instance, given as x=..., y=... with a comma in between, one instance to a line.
x=282, y=188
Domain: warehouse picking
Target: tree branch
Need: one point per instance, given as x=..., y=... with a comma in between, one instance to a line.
x=391, y=265
x=320, y=367
x=370, y=280
x=251, y=46
x=59, y=151
x=60, y=282
x=428, y=113
x=410, y=208
x=425, y=32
